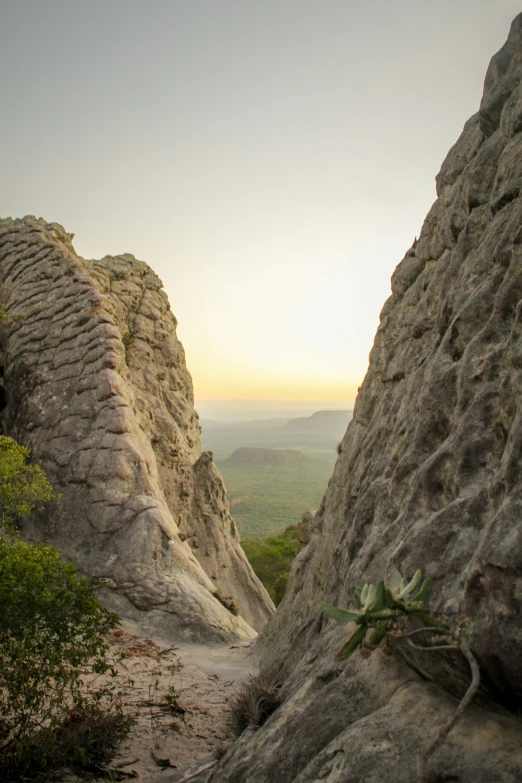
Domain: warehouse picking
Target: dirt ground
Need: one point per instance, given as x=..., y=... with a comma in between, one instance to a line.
x=178, y=697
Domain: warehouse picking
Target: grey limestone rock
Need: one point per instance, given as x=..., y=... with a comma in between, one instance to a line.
x=430, y=477
x=95, y=383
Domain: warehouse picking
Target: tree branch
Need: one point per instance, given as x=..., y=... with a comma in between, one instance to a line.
x=472, y=689
x=434, y=647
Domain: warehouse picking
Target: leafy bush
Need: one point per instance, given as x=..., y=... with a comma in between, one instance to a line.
x=51, y=632
x=23, y=487
x=127, y=340
x=271, y=560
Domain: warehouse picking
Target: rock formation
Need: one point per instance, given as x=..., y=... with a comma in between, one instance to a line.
x=430, y=477
x=95, y=383
x=305, y=527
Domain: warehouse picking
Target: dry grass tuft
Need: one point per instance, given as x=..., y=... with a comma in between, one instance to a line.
x=255, y=701
x=220, y=750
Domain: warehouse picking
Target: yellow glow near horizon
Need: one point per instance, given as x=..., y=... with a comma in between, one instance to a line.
x=276, y=377
x=249, y=384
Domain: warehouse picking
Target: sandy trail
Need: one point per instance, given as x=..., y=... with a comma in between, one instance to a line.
x=178, y=695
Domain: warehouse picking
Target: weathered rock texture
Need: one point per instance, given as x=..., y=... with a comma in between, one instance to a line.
x=430, y=477
x=96, y=385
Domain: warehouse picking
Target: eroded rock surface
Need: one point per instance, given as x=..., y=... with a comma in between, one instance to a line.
x=96, y=384
x=430, y=477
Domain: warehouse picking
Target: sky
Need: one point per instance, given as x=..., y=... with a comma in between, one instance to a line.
x=272, y=160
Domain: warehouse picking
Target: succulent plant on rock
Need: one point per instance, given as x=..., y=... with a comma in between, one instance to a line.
x=382, y=617
x=382, y=608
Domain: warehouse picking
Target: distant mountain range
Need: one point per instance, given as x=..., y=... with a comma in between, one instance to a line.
x=262, y=424
x=316, y=434
x=265, y=457
x=331, y=422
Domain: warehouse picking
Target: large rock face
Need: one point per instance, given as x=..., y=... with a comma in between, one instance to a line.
x=96, y=384
x=430, y=477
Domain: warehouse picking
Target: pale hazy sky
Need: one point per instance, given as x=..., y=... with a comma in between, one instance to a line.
x=272, y=160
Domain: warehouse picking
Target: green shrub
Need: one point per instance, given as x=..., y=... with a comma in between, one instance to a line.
x=51, y=632
x=127, y=340
x=271, y=560
x=23, y=487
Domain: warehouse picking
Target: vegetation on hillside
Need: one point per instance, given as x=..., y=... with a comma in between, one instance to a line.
x=271, y=560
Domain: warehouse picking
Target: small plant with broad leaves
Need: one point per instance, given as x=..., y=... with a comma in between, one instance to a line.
x=383, y=610
x=382, y=621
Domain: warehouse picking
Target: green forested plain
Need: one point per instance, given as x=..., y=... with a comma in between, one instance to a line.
x=268, y=491
x=267, y=498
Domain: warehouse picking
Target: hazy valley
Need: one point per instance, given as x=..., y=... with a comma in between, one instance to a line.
x=275, y=469
x=316, y=435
